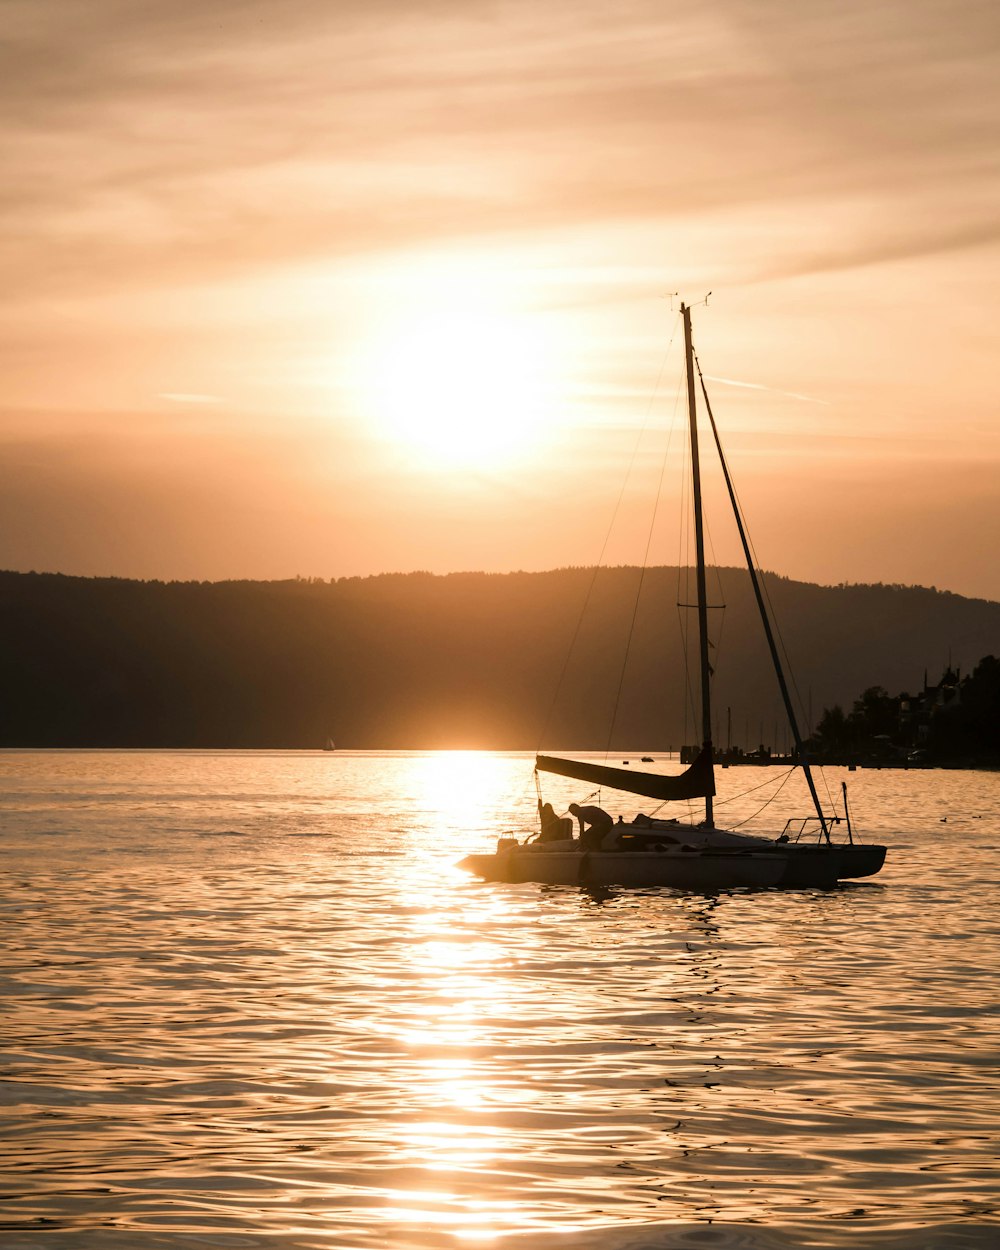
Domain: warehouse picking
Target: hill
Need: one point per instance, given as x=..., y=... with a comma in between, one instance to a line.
x=464, y=660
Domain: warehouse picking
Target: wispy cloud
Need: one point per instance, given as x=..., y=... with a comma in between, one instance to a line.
x=155, y=140
x=185, y=397
x=757, y=386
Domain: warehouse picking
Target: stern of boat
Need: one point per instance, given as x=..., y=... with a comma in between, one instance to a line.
x=860, y=861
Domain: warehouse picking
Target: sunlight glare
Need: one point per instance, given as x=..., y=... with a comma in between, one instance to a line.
x=460, y=385
x=455, y=783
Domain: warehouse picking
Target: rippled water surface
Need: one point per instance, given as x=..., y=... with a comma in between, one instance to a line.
x=250, y=1002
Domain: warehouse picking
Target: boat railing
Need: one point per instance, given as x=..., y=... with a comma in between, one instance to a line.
x=797, y=827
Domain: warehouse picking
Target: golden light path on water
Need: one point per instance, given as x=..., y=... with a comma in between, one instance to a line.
x=251, y=1001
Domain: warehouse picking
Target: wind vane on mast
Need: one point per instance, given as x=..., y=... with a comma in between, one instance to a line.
x=703, y=302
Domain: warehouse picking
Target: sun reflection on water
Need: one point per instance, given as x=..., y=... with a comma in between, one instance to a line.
x=458, y=984
x=338, y=1040
x=455, y=788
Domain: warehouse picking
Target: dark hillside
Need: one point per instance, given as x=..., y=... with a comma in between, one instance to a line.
x=415, y=660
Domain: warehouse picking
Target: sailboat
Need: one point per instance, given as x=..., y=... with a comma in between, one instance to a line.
x=646, y=851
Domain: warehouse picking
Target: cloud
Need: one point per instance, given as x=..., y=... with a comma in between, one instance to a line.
x=211, y=195
x=758, y=386
x=183, y=397
x=153, y=142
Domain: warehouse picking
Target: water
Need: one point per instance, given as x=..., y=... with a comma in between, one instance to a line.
x=250, y=1002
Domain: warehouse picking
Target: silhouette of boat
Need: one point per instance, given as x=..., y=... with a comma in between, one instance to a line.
x=329, y=745
x=703, y=857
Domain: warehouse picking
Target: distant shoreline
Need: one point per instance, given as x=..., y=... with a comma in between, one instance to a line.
x=527, y=753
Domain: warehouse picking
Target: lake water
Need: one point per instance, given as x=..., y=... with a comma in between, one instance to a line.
x=248, y=1001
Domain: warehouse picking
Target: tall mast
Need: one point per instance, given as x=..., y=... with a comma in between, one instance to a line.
x=699, y=544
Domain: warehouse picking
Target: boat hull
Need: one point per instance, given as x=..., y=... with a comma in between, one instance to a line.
x=701, y=872
x=859, y=861
x=812, y=863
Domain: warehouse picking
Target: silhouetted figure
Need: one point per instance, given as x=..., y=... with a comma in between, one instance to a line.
x=554, y=828
x=594, y=824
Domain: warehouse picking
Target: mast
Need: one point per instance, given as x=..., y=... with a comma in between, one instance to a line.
x=699, y=543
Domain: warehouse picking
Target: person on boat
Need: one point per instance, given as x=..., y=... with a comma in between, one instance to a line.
x=553, y=828
x=595, y=823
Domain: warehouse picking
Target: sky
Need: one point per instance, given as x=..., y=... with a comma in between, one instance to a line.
x=326, y=289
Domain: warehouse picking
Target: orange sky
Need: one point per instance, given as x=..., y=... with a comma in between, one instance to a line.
x=325, y=289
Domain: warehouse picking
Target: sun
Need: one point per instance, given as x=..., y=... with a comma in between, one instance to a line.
x=459, y=388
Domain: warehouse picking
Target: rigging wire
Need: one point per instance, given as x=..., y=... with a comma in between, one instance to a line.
x=683, y=594
x=775, y=627
x=717, y=644
x=763, y=807
x=770, y=781
x=734, y=798
x=684, y=566
x=607, y=537
x=658, y=494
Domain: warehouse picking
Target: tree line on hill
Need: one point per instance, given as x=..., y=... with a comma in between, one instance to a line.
x=956, y=721
x=568, y=659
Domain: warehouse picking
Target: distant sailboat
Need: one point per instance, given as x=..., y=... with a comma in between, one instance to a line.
x=329, y=745
x=702, y=857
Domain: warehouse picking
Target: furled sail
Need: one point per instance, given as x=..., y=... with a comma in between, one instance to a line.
x=697, y=782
